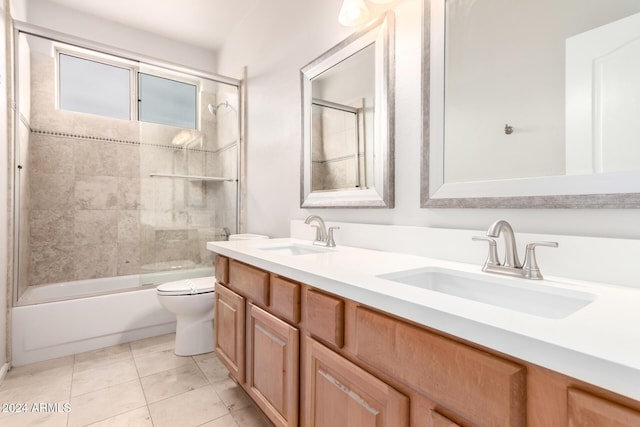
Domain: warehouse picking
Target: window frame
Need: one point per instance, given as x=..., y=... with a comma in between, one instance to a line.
x=162, y=74
x=135, y=69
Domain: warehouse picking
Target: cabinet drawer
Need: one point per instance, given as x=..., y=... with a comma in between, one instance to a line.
x=480, y=387
x=586, y=410
x=249, y=281
x=222, y=269
x=325, y=317
x=285, y=298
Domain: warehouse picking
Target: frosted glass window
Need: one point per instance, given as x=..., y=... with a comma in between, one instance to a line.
x=93, y=87
x=166, y=101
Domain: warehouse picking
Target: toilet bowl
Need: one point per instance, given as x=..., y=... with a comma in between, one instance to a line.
x=191, y=300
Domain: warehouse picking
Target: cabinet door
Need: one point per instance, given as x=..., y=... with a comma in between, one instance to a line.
x=272, y=369
x=228, y=330
x=439, y=420
x=586, y=410
x=339, y=393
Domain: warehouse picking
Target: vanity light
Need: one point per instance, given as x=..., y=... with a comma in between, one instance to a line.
x=353, y=12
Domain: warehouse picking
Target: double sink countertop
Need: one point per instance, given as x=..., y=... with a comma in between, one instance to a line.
x=596, y=340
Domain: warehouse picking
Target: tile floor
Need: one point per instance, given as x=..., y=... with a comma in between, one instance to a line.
x=139, y=384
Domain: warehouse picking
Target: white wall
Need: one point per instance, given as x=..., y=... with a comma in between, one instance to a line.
x=280, y=37
x=59, y=18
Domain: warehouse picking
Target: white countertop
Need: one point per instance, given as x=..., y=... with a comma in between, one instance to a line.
x=599, y=344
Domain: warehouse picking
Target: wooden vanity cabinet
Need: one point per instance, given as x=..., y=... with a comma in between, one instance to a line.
x=272, y=366
x=255, y=341
x=311, y=358
x=228, y=331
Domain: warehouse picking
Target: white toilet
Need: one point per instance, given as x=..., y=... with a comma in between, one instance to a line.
x=191, y=300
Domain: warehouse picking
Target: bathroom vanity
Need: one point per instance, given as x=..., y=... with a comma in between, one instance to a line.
x=318, y=339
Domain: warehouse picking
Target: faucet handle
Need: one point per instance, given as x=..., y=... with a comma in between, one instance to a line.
x=330, y=242
x=530, y=267
x=492, y=257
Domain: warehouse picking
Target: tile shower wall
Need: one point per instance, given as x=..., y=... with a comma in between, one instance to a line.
x=91, y=210
x=334, y=166
x=21, y=196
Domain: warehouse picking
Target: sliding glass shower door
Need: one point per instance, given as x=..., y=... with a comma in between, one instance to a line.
x=188, y=171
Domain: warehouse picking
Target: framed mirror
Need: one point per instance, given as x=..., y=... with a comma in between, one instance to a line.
x=531, y=104
x=348, y=122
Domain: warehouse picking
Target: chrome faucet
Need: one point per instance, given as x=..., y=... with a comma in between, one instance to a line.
x=323, y=237
x=510, y=249
x=511, y=265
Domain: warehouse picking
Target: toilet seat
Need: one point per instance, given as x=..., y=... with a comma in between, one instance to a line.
x=200, y=285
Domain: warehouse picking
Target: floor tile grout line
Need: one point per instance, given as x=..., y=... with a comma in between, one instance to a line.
x=146, y=400
x=103, y=388
x=202, y=371
x=73, y=370
x=100, y=388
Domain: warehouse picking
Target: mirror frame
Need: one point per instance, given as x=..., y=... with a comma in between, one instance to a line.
x=612, y=190
x=381, y=194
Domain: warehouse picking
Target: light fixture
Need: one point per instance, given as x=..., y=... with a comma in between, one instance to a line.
x=353, y=12
x=381, y=1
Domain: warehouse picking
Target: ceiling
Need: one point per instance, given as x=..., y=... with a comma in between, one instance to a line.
x=202, y=23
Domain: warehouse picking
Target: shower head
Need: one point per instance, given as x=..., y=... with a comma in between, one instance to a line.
x=214, y=109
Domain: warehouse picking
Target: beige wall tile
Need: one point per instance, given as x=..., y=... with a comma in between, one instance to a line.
x=97, y=260
x=51, y=191
x=128, y=160
x=128, y=226
x=95, y=227
x=94, y=158
x=50, y=154
x=128, y=192
x=128, y=258
x=51, y=226
x=51, y=263
x=96, y=192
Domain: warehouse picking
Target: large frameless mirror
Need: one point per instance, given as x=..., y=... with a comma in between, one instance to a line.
x=347, y=122
x=532, y=103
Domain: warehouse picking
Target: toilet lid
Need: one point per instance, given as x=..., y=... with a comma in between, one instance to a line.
x=200, y=285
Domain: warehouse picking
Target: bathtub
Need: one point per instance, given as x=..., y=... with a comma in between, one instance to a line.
x=66, y=318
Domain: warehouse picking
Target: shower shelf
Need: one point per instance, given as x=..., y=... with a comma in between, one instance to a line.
x=192, y=177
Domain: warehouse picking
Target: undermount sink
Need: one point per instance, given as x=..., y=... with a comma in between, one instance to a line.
x=293, y=249
x=526, y=296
